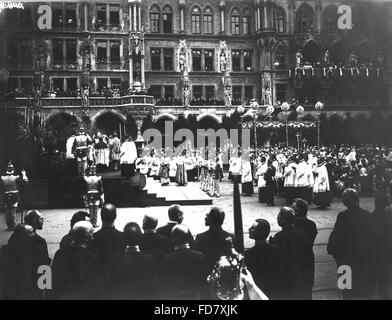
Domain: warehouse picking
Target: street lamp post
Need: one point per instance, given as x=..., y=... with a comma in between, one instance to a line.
x=255, y=106
x=286, y=111
x=300, y=110
x=319, y=106
x=241, y=110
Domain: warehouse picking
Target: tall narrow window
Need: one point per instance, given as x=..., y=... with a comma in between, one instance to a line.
x=101, y=16
x=115, y=83
x=26, y=84
x=280, y=58
x=71, y=51
x=101, y=53
x=248, y=60
x=304, y=18
x=360, y=19
x=236, y=60
x=210, y=92
x=12, y=51
x=237, y=93
x=155, y=19
x=248, y=93
x=207, y=20
x=114, y=17
x=58, y=84
x=155, y=91
x=168, y=59
x=281, y=92
x=57, y=15
x=280, y=20
x=195, y=20
x=169, y=92
x=197, y=92
x=167, y=18
x=209, y=60
x=102, y=83
x=235, y=22
x=11, y=16
x=12, y=83
x=155, y=59
x=25, y=16
x=58, y=57
x=115, y=54
x=70, y=14
x=196, y=60
x=330, y=20
x=246, y=20
x=71, y=85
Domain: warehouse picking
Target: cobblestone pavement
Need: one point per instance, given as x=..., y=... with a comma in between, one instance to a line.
x=57, y=224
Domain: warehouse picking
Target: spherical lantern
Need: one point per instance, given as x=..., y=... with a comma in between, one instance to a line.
x=300, y=110
x=240, y=109
x=270, y=109
x=254, y=104
x=319, y=106
x=285, y=106
x=249, y=113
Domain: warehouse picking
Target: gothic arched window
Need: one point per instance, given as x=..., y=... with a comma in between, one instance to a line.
x=304, y=18
x=208, y=18
x=167, y=18
x=246, y=21
x=235, y=22
x=155, y=19
x=360, y=19
x=280, y=58
x=280, y=20
x=196, y=20
x=330, y=19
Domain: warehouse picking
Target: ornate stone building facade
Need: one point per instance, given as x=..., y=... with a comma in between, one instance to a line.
x=201, y=57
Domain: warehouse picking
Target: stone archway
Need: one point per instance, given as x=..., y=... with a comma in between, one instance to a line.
x=207, y=116
x=108, y=121
x=62, y=124
x=311, y=51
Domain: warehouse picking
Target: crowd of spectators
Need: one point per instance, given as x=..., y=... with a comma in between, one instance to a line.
x=146, y=262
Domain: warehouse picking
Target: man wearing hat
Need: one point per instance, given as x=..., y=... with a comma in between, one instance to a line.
x=11, y=185
x=94, y=194
x=81, y=145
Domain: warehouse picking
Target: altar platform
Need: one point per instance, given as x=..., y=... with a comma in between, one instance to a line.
x=63, y=193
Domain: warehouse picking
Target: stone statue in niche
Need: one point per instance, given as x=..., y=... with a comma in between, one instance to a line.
x=268, y=95
x=224, y=58
x=353, y=59
x=298, y=58
x=183, y=59
x=223, y=61
x=326, y=59
x=380, y=59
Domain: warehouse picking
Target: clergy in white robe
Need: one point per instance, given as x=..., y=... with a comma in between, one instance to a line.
x=247, y=178
x=321, y=189
x=289, y=180
x=261, y=184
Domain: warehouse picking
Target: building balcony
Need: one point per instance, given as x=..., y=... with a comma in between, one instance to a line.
x=72, y=102
x=330, y=73
x=68, y=66
x=65, y=26
x=103, y=27
x=111, y=65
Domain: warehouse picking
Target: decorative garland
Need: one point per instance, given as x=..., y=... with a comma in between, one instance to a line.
x=277, y=125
